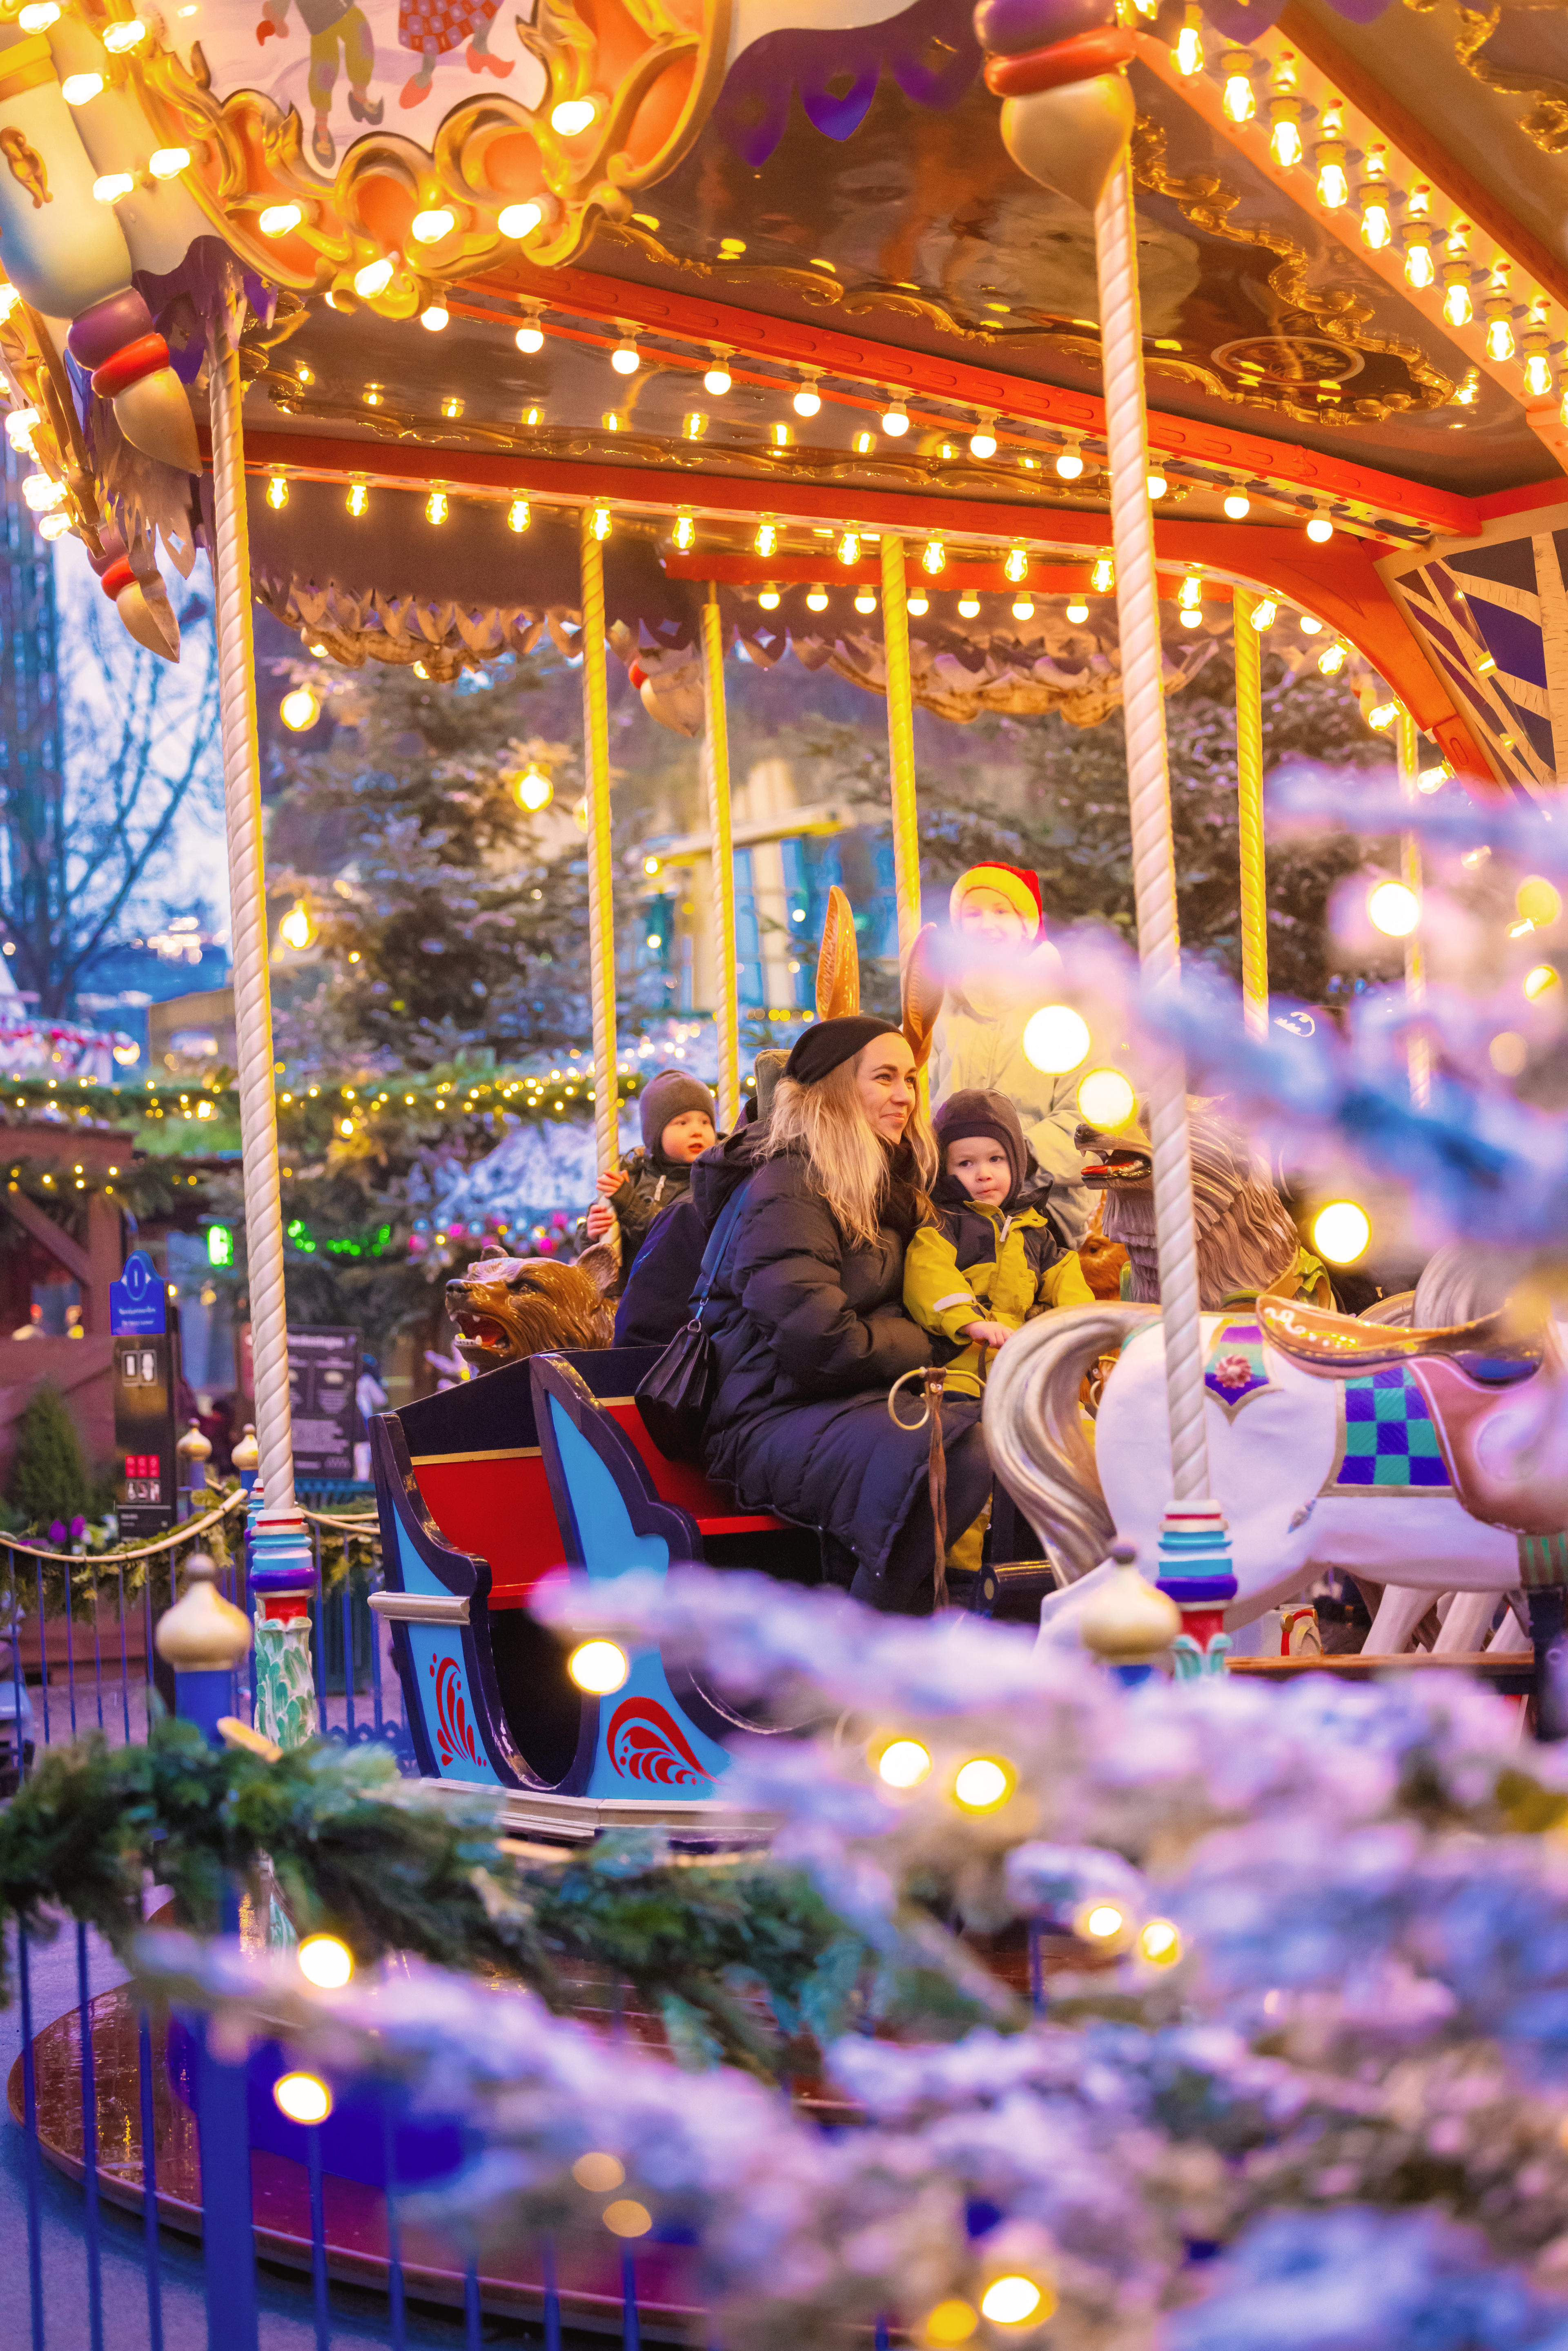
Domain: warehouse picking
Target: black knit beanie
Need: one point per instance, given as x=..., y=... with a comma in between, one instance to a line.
x=665, y=1097
x=818, y=1051
x=974, y=1113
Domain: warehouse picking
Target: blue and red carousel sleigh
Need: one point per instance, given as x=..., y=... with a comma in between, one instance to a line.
x=486, y=1488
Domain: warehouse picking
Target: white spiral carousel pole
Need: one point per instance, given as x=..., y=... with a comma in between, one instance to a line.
x=282, y=1570
x=1067, y=120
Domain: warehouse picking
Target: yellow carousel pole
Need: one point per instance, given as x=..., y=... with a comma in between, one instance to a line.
x=1415, y=957
x=600, y=867
x=901, y=741
x=1250, y=803
x=716, y=763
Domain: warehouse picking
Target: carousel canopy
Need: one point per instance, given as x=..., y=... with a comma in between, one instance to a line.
x=762, y=284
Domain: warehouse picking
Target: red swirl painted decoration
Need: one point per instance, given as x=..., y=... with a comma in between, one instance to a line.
x=454, y=1734
x=646, y=1742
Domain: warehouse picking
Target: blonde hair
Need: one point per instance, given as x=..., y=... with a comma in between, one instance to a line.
x=848, y=1159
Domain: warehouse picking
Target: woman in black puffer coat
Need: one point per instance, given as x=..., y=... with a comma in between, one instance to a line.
x=808, y=1321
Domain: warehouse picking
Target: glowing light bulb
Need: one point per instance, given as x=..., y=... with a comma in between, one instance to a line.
x=1016, y=568
x=277, y=492
x=817, y=601
x=1102, y=1920
x=325, y=1962
x=297, y=930
x=693, y=425
x=113, y=185
x=278, y=219
x=598, y=523
x=766, y=539
x=919, y=604
x=599, y=1667
x=1541, y=980
x=1420, y=269
x=848, y=547
x=895, y=421
x=533, y=789
x=1334, y=189
x=983, y=441
x=1319, y=529
x=430, y=227
x=518, y=514
x=116, y=39
x=627, y=358
x=1538, y=374
x=573, y=116
x=1014, y=2301
x=1160, y=1943
x=1393, y=909
x=1308, y=626
x=1239, y=104
x=55, y=526
x=1457, y=308
x=865, y=602
x=38, y=16
x=42, y=492
x=1191, y=618
x=1069, y=464
x=1106, y=1099
x=1237, y=505
x=1187, y=54
x=519, y=220
x=1102, y=577
x=969, y=605
x=1078, y=609
x=685, y=533
x=437, y=506
x=1157, y=486
x=373, y=279
x=1341, y=1232
x=303, y=2098
x=434, y=317
x=167, y=162
x=1285, y=132
x=768, y=599
x=1023, y=607
x=1265, y=612
x=982, y=1784
x=1376, y=228
x=1537, y=901
x=1499, y=329
x=807, y=400
x=1056, y=1039
x=1331, y=661
x=717, y=380
x=933, y=557
x=78, y=89
x=358, y=499
x=1191, y=591
x=904, y=1764
x=19, y=429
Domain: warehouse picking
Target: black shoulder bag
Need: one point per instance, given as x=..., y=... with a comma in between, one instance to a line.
x=676, y=1396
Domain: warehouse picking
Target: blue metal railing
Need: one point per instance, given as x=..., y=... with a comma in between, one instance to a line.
x=72, y=1662
x=222, y=2292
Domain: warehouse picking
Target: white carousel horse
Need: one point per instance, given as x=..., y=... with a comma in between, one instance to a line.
x=1433, y=1460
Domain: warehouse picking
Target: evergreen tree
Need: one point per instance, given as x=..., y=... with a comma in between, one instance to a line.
x=453, y=922
x=49, y=1476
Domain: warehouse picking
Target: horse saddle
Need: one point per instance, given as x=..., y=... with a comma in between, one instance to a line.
x=1469, y=1375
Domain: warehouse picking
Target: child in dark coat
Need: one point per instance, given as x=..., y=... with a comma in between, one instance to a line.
x=677, y=1117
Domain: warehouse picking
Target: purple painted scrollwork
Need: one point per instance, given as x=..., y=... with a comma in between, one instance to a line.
x=930, y=50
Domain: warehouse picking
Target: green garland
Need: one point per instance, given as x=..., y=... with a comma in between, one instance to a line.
x=743, y=1960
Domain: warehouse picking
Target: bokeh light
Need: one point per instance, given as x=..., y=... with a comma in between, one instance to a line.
x=1106, y=1099
x=904, y=1764
x=1056, y=1039
x=1393, y=909
x=1341, y=1232
x=599, y=1667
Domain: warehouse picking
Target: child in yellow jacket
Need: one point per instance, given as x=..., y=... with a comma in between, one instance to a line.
x=994, y=1258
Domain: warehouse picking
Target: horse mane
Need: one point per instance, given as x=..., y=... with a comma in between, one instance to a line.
x=1246, y=1239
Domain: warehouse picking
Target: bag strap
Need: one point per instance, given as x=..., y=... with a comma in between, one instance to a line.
x=717, y=1243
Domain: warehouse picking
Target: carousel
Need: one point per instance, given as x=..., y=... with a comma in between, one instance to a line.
x=1003, y=359
x=1002, y=362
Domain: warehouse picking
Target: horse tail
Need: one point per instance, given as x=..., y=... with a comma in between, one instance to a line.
x=1036, y=1441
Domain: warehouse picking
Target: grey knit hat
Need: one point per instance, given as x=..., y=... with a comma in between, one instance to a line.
x=665, y=1097
x=975, y=1112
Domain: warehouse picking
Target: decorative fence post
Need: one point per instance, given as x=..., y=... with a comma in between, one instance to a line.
x=1067, y=120
x=204, y=1636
